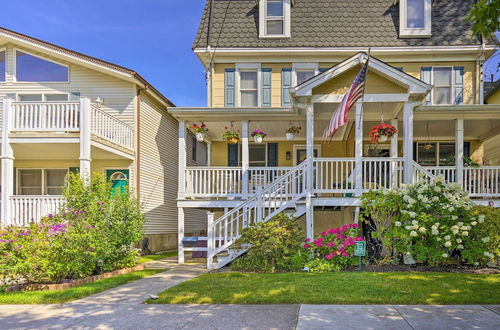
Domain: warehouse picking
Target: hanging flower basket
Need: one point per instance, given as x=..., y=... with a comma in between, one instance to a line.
x=382, y=132
x=291, y=131
x=231, y=136
x=199, y=131
x=258, y=136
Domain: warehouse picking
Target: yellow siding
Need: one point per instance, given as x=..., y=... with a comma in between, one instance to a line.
x=494, y=98
x=276, y=81
x=218, y=84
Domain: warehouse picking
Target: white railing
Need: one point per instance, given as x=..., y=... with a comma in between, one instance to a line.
x=382, y=173
x=262, y=206
x=111, y=128
x=42, y=116
x=449, y=173
x=259, y=177
x=421, y=173
x=334, y=175
x=482, y=181
x=213, y=182
x=26, y=209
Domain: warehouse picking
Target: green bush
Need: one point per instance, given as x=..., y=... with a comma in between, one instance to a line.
x=274, y=245
x=488, y=231
x=95, y=233
x=431, y=221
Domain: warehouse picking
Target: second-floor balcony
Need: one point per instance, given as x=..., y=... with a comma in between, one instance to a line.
x=67, y=117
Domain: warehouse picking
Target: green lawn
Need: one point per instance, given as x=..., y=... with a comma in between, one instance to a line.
x=153, y=257
x=335, y=288
x=56, y=297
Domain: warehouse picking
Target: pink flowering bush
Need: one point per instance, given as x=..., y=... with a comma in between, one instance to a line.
x=333, y=249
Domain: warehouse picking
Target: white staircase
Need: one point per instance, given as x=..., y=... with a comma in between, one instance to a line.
x=283, y=193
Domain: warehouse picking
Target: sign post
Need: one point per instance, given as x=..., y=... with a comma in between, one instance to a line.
x=360, y=251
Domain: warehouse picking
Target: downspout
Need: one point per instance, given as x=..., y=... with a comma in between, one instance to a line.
x=138, y=142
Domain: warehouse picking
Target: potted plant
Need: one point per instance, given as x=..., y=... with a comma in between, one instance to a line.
x=258, y=136
x=231, y=136
x=199, y=131
x=382, y=132
x=291, y=131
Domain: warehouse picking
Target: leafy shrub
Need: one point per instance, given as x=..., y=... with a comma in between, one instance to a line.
x=333, y=250
x=488, y=231
x=94, y=233
x=431, y=221
x=274, y=245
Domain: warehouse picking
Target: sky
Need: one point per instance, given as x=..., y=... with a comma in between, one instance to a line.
x=152, y=37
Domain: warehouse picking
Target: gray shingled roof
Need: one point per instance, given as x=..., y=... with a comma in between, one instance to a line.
x=334, y=23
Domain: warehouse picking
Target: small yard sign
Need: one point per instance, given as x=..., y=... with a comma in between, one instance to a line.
x=360, y=251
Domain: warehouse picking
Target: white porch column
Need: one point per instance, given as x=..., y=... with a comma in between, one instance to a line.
x=245, y=156
x=408, y=141
x=180, y=234
x=85, y=136
x=210, y=240
x=358, y=151
x=459, y=150
x=310, y=171
x=7, y=165
x=209, y=152
x=394, y=154
x=182, y=160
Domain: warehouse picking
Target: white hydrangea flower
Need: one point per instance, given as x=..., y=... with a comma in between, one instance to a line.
x=437, y=224
x=473, y=223
x=413, y=233
x=397, y=224
x=447, y=237
x=438, y=239
x=422, y=229
x=408, y=227
x=460, y=224
x=435, y=232
x=465, y=233
x=444, y=255
x=485, y=239
x=476, y=264
x=454, y=217
x=412, y=214
x=415, y=227
x=480, y=218
x=447, y=244
x=414, y=222
x=437, y=189
x=463, y=228
x=460, y=246
x=459, y=240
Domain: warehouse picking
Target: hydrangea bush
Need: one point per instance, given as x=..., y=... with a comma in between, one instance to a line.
x=95, y=232
x=431, y=221
x=333, y=249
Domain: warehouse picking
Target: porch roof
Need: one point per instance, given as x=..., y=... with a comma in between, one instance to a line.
x=220, y=113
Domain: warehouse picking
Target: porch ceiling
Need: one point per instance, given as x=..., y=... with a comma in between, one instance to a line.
x=57, y=151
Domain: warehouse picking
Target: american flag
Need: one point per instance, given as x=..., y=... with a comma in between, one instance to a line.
x=350, y=98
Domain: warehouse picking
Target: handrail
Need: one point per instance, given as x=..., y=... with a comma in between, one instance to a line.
x=108, y=127
x=46, y=116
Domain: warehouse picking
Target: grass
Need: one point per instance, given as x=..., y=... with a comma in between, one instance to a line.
x=153, y=257
x=335, y=288
x=56, y=297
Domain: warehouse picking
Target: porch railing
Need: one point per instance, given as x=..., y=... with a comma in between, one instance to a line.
x=334, y=175
x=111, y=128
x=26, y=209
x=213, y=182
x=449, y=173
x=482, y=181
x=42, y=116
x=382, y=173
x=263, y=176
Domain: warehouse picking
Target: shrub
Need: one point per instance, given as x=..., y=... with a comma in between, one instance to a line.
x=488, y=231
x=431, y=221
x=95, y=232
x=333, y=250
x=274, y=245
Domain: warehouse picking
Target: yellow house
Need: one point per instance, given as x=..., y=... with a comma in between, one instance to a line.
x=63, y=112
x=280, y=65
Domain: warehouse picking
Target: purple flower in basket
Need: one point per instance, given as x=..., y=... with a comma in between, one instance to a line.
x=258, y=132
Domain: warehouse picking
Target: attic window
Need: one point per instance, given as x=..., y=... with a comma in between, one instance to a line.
x=415, y=18
x=274, y=19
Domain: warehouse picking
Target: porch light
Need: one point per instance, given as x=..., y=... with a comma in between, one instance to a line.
x=99, y=102
x=288, y=155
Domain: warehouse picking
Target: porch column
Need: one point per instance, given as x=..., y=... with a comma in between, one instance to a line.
x=245, y=157
x=459, y=150
x=180, y=234
x=210, y=240
x=7, y=165
x=394, y=154
x=408, y=141
x=358, y=151
x=85, y=135
x=209, y=152
x=181, y=189
x=310, y=171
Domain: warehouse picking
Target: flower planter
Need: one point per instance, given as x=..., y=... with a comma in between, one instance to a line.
x=258, y=139
x=383, y=138
x=233, y=140
x=290, y=136
x=200, y=137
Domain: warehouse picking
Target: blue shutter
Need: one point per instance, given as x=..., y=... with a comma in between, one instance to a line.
x=266, y=87
x=458, y=76
x=286, y=84
x=229, y=88
x=232, y=154
x=426, y=77
x=272, y=154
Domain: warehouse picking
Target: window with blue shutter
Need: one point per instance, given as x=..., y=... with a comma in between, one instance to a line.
x=232, y=154
x=266, y=87
x=229, y=88
x=272, y=154
x=426, y=77
x=286, y=84
x=458, y=76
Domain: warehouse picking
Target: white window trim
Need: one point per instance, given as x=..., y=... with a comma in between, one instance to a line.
x=44, y=184
x=14, y=68
x=437, y=152
x=44, y=99
x=263, y=20
x=303, y=67
x=303, y=146
x=247, y=67
x=4, y=49
x=404, y=31
x=452, y=86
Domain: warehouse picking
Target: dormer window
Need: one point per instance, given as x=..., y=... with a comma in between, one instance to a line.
x=274, y=19
x=415, y=18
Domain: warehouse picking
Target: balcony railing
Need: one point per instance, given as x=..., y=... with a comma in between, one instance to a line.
x=26, y=209
x=111, y=128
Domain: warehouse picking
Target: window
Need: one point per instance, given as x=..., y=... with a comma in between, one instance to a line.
x=249, y=93
x=274, y=18
x=41, y=181
x=2, y=65
x=35, y=69
x=257, y=154
x=303, y=75
x=56, y=97
x=42, y=97
x=415, y=18
x=303, y=71
x=30, y=97
x=438, y=153
x=447, y=84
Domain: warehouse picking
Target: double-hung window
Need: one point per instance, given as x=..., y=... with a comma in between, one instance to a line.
x=274, y=18
x=447, y=83
x=249, y=92
x=415, y=18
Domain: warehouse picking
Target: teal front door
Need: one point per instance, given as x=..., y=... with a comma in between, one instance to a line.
x=118, y=179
